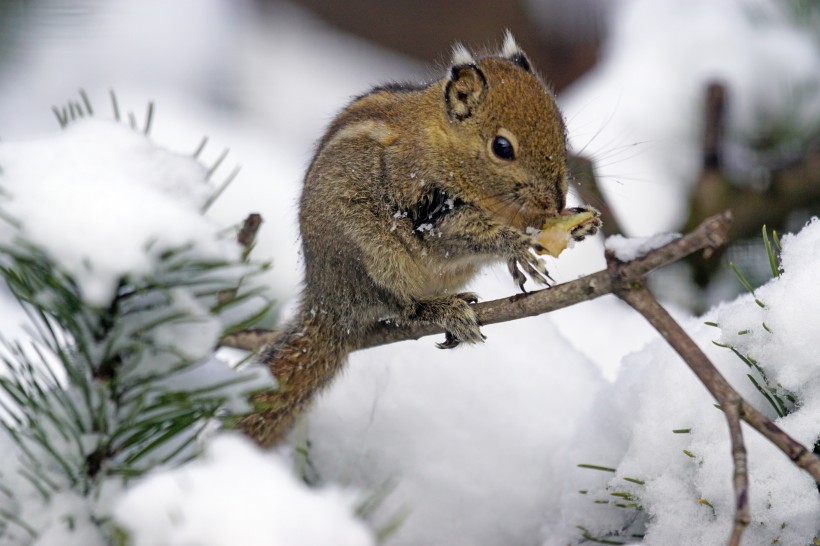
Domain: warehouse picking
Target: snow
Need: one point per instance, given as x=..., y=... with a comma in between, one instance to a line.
x=237, y=494
x=105, y=204
x=480, y=445
x=626, y=249
x=472, y=438
x=630, y=425
x=98, y=173
x=501, y=429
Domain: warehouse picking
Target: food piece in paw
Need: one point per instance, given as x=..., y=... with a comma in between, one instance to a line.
x=558, y=231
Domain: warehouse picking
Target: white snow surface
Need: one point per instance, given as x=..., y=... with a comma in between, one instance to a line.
x=627, y=249
x=482, y=443
x=630, y=426
x=237, y=494
x=472, y=438
x=103, y=201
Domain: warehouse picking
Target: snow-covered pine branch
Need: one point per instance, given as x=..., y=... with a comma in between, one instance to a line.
x=120, y=281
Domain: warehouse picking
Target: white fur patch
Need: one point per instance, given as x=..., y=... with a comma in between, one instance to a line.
x=461, y=56
x=510, y=48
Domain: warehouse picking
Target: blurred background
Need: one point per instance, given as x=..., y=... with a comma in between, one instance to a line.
x=675, y=110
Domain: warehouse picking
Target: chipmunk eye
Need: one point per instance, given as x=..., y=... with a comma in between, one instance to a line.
x=503, y=148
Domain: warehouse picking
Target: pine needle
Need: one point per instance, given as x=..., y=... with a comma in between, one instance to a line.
x=149, y=117
x=114, y=106
x=86, y=102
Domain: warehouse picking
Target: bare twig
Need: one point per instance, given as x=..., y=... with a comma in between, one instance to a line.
x=245, y=237
x=740, y=479
x=793, y=182
x=730, y=401
x=715, y=121
x=627, y=281
x=708, y=236
x=247, y=233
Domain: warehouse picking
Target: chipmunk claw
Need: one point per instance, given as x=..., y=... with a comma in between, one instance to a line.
x=532, y=266
x=469, y=297
x=450, y=342
x=585, y=230
x=454, y=314
x=517, y=275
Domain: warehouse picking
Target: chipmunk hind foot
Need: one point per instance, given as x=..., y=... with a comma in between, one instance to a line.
x=454, y=314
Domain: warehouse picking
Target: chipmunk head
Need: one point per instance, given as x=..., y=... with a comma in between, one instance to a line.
x=504, y=136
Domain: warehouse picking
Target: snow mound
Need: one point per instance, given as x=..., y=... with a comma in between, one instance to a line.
x=658, y=425
x=469, y=442
x=237, y=494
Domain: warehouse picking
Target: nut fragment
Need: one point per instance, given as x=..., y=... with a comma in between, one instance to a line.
x=559, y=230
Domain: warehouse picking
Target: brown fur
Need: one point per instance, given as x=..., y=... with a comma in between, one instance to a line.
x=390, y=158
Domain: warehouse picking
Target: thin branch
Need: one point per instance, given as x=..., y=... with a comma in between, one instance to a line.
x=740, y=478
x=714, y=382
x=247, y=233
x=707, y=237
x=715, y=122
x=245, y=237
x=621, y=278
x=730, y=401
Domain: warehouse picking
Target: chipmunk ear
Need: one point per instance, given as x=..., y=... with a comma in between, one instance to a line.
x=512, y=52
x=466, y=85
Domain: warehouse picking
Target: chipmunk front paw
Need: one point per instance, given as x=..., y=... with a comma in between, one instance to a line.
x=530, y=264
x=589, y=226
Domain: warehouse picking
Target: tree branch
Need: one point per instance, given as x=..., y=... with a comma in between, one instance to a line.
x=626, y=280
x=730, y=401
x=710, y=235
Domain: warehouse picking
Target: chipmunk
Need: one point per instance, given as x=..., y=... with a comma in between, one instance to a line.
x=412, y=189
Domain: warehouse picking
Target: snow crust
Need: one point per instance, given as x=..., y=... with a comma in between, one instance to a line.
x=237, y=494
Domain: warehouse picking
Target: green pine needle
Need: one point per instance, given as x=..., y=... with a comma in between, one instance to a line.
x=115, y=107
x=149, y=118
x=201, y=147
x=212, y=169
x=597, y=467
x=86, y=102
x=743, y=280
x=773, y=261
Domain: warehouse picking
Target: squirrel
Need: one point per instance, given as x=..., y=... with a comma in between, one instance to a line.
x=411, y=190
